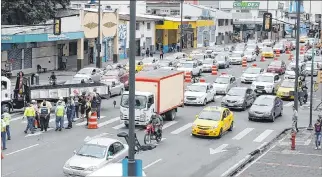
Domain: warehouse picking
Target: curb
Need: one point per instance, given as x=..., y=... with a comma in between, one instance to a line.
x=254, y=154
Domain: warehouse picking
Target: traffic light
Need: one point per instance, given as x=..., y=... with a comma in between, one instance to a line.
x=319, y=79
x=267, y=22
x=57, y=26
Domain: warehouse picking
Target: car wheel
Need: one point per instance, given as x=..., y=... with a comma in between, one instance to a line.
x=231, y=126
x=250, y=119
x=273, y=117
x=204, y=102
x=220, y=133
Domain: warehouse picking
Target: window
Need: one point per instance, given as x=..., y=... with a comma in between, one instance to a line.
x=118, y=147
x=226, y=22
x=148, y=26
x=221, y=22
x=244, y=11
x=137, y=26
x=72, y=48
x=4, y=85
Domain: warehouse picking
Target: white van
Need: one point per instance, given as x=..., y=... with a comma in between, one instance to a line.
x=112, y=169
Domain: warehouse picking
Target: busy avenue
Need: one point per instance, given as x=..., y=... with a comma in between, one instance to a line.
x=182, y=149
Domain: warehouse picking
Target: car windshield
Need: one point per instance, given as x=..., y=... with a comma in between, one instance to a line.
x=86, y=71
x=267, y=49
x=208, y=62
x=148, y=60
x=253, y=71
x=263, y=101
x=92, y=150
x=222, y=80
x=236, y=92
x=275, y=64
x=287, y=84
x=186, y=65
x=235, y=55
x=239, y=51
x=210, y=115
x=269, y=79
x=197, y=88
x=140, y=101
x=260, y=45
x=220, y=58
x=248, y=53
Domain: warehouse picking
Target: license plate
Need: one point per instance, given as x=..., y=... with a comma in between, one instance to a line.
x=202, y=132
x=259, y=91
x=230, y=104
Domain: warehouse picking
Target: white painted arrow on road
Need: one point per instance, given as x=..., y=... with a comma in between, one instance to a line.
x=218, y=149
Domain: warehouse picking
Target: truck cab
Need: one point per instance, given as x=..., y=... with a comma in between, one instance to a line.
x=144, y=108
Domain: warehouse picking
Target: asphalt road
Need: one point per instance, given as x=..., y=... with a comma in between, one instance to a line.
x=44, y=154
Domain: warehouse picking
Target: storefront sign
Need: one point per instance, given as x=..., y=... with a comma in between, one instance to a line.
x=6, y=38
x=246, y=5
x=52, y=37
x=185, y=26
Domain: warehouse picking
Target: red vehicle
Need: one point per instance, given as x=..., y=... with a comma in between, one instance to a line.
x=119, y=73
x=277, y=67
x=151, y=134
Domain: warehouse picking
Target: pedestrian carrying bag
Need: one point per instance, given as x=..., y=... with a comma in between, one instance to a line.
x=44, y=111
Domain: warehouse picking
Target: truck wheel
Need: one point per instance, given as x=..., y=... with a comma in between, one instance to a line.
x=171, y=115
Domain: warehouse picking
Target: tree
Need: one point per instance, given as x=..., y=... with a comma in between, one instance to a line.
x=29, y=12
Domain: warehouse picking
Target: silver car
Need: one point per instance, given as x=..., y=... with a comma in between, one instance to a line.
x=279, y=47
x=223, y=61
x=116, y=87
x=236, y=58
x=95, y=154
x=94, y=73
x=250, y=56
x=208, y=63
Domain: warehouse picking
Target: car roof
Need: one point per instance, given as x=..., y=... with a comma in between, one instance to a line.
x=226, y=75
x=200, y=83
x=102, y=141
x=214, y=108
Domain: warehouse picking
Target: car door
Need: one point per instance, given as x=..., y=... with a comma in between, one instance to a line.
x=227, y=119
x=119, y=151
x=195, y=69
x=118, y=87
x=212, y=91
x=113, y=88
x=247, y=97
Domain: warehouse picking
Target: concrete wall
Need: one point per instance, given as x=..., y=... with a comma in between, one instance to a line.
x=71, y=24
x=142, y=33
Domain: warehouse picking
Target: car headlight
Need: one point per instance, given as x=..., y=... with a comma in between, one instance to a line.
x=267, y=113
x=92, y=168
x=269, y=86
x=240, y=101
x=194, y=125
x=67, y=165
x=121, y=115
x=142, y=117
x=214, y=127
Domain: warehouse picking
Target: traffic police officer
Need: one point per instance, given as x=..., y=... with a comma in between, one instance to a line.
x=3, y=133
x=6, y=118
x=30, y=115
x=60, y=112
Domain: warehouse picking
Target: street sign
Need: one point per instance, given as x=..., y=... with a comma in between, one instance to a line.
x=267, y=21
x=319, y=79
x=57, y=26
x=246, y=5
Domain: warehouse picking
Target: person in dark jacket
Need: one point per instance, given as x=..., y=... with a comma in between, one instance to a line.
x=317, y=128
x=82, y=104
x=69, y=113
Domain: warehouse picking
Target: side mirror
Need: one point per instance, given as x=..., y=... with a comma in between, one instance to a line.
x=74, y=151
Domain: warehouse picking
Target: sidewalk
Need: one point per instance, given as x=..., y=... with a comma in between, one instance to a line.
x=281, y=161
x=67, y=75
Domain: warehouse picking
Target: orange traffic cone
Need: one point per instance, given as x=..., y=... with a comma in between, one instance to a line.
x=92, y=121
x=288, y=52
x=187, y=77
x=214, y=70
x=262, y=58
x=278, y=53
x=244, y=63
x=202, y=80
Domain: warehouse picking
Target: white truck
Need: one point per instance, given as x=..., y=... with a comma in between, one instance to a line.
x=158, y=91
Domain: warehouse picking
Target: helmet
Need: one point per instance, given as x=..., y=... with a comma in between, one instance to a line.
x=33, y=101
x=61, y=98
x=59, y=102
x=71, y=95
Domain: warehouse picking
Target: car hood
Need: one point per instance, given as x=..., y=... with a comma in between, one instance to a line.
x=221, y=62
x=277, y=48
x=248, y=56
x=202, y=122
x=250, y=75
x=216, y=85
x=262, y=83
x=233, y=98
x=195, y=94
x=84, y=162
x=284, y=89
x=261, y=109
x=184, y=69
x=235, y=58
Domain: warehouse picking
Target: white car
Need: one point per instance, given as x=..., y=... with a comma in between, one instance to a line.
x=266, y=83
x=168, y=64
x=308, y=54
x=208, y=63
x=223, y=61
x=116, y=87
x=251, y=74
x=308, y=68
x=95, y=154
x=190, y=66
x=199, y=94
x=224, y=83
x=267, y=43
x=197, y=55
x=289, y=75
x=279, y=47
x=236, y=58
x=94, y=73
x=250, y=56
x=78, y=79
x=112, y=169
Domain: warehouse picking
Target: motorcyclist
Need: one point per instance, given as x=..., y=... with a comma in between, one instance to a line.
x=305, y=94
x=156, y=121
x=53, y=78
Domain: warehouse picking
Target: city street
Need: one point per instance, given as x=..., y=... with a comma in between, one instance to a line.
x=44, y=154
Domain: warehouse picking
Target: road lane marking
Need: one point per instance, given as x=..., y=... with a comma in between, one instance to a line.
x=151, y=164
x=169, y=124
x=38, y=133
x=108, y=122
x=181, y=129
x=289, y=104
x=85, y=122
x=219, y=149
x=119, y=126
x=88, y=138
x=243, y=133
x=22, y=149
x=263, y=135
x=16, y=118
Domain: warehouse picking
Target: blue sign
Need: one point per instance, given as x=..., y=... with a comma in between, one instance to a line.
x=138, y=167
x=24, y=38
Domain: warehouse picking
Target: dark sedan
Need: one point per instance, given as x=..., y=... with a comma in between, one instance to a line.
x=266, y=107
x=239, y=98
x=277, y=67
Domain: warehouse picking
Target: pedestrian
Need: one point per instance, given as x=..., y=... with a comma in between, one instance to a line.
x=147, y=52
x=3, y=133
x=82, y=104
x=6, y=118
x=178, y=46
x=161, y=54
x=69, y=113
x=294, y=119
x=64, y=62
x=49, y=106
x=30, y=115
x=72, y=104
x=88, y=109
x=98, y=102
x=143, y=52
x=37, y=122
x=317, y=128
x=44, y=114
x=59, y=112
x=76, y=102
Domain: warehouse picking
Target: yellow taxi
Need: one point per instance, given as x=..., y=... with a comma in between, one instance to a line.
x=213, y=121
x=303, y=39
x=138, y=66
x=268, y=52
x=286, y=89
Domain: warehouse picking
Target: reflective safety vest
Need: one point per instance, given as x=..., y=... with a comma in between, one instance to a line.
x=3, y=125
x=29, y=112
x=6, y=118
x=60, y=111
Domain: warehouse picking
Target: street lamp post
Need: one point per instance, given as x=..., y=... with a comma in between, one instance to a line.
x=296, y=96
x=131, y=158
x=98, y=42
x=181, y=26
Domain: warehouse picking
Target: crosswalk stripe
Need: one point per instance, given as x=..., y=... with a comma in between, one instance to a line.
x=168, y=124
x=85, y=122
x=263, y=135
x=243, y=133
x=38, y=133
x=181, y=129
x=108, y=122
x=118, y=127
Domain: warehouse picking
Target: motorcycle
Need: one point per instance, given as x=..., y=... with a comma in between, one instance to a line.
x=52, y=81
x=151, y=134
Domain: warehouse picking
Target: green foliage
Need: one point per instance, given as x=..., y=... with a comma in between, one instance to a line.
x=29, y=12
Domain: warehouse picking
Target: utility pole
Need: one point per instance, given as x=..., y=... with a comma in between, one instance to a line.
x=296, y=95
x=131, y=159
x=98, y=42
x=181, y=25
